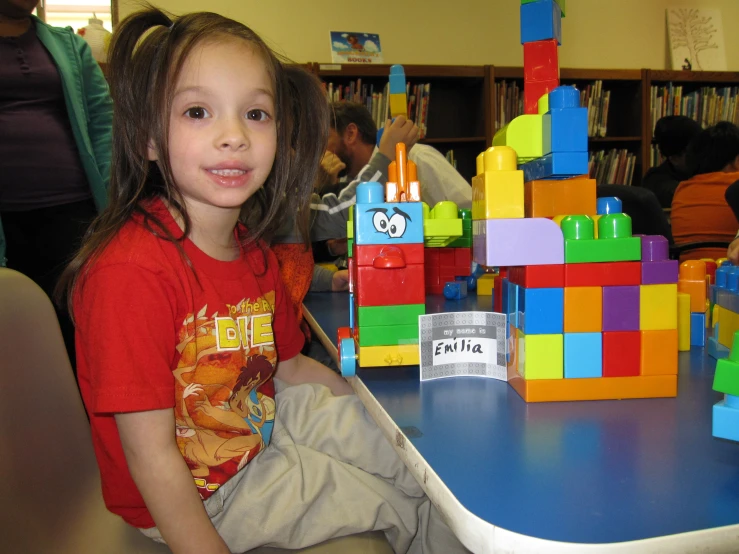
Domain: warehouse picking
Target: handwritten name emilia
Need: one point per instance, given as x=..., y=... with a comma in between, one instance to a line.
x=457, y=345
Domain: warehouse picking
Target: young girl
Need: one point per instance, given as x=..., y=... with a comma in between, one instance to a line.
x=183, y=326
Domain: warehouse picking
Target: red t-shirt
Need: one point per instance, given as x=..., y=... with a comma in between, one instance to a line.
x=154, y=333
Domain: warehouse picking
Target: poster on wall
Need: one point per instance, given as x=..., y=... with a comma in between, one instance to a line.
x=696, y=39
x=355, y=47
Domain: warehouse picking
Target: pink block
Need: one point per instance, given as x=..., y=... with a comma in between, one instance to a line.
x=508, y=242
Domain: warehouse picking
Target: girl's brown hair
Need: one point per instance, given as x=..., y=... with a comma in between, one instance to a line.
x=146, y=56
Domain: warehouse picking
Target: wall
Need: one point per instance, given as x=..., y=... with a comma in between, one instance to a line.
x=596, y=33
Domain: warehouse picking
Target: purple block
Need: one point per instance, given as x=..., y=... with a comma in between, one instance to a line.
x=621, y=308
x=654, y=248
x=659, y=273
x=507, y=242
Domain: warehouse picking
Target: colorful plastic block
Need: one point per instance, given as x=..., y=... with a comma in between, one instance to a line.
x=398, y=104
x=386, y=287
x=583, y=355
x=403, y=314
x=485, y=285
x=397, y=79
x=692, y=280
x=583, y=308
x=386, y=335
x=509, y=242
x=621, y=307
x=657, y=307
x=524, y=135
x=614, y=244
x=683, y=322
x=385, y=256
x=726, y=419
x=541, y=20
x=534, y=91
x=542, y=311
x=698, y=329
x=659, y=352
x=621, y=353
x=455, y=290
x=538, y=276
x=497, y=189
x=560, y=2
x=567, y=196
x=556, y=164
x=378, y=356
x=540, y=61
x=659, y=273
x=565, y=125
x=402, y=177
x=613, y=388
x=442, y=224
x=543, y=356
x=608, y=274
x=726, y=378
x=386, y=223
x=728, y=325
x=609, y=205
x=715, y=350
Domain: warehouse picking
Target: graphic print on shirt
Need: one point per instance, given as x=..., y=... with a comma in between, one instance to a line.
x=224, y=391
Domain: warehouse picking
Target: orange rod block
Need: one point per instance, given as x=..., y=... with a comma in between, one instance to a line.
x=601, y=388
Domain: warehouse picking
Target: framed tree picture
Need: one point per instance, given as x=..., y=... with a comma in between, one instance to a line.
x=696, y=39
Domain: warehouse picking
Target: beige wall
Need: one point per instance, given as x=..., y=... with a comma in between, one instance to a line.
x=596, y=33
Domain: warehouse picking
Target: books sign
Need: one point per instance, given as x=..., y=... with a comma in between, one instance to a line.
x=355, y=47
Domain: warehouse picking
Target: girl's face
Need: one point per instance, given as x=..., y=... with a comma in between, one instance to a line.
x=222, y=133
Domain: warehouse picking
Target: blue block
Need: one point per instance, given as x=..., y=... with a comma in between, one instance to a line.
x=396, y=223
x=556, y=165
x=351, y=311
x=542, y=311
x=565, y=125
x=715, y=350
x=583, y=355
x=727, y=298
x=725, y=420
x=609, y=205
x=698, y=329
x=541, y=20
x=513, y=308
x=455, y=290
x=397, y=79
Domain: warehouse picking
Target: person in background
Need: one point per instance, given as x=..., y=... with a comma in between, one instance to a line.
x=672, y=134
x=700, y=212
x=55, y=144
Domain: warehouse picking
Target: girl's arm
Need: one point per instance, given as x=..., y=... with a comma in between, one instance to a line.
x=301, y=369
x=165, y=482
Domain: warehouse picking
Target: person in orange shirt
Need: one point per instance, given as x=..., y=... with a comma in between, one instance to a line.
x=699, y=210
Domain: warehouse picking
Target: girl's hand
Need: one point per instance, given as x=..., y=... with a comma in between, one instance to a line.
x=340, y=281
x=332, y=165
x=733, y=252
x=401, y=130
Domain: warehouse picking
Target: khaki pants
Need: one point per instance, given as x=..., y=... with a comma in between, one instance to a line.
x=328, y=472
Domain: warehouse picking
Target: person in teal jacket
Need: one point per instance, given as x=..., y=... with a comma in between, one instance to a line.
x=56, y=116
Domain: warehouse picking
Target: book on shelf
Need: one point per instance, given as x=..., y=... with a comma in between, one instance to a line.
x=597, y=101
x=451, y=159
x=706, y=105
x=377, y=100
x=509, y=97
x=612, y=167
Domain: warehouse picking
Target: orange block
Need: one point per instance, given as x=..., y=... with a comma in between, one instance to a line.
x=598, y=388
x=659, y=352
x=583, y=310
x=692, y=281
x=550, y=198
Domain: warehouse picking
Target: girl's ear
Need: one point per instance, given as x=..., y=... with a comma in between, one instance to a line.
x=152, y=151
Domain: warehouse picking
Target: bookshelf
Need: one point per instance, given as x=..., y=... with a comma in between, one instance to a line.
x=459, y=110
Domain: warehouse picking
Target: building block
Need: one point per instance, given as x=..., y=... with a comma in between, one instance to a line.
x=583, y=355
x=403, y=314
x=541, y=20
x=659, y=273
x=398, y=105
x=387, y=223
x=385, y=335
x=614, y=244
x=402, y=177
x=614, y=388
x=621, y=307
x=692, y=280
x=726, y=378
x=659, y=352
x=556, y=165
x=542, y=311
x=524, y=135
x=609, y=205
x=683, y=322
x=393, y=355
x=497, y=189
x=387, y=255
x=549, y=198
x=726, y=419
x=583, y=310
x=698, y=329
x=455, y=290
x=711, y=267
x=621, y=353
x=565, y=125
x=728, y=325
x=485, y=285
x=560, y=2
x=715, y=350
x=657, y=307
x=386, y=287
x=609, y=274
x=540, y=60
x=543, y=356
x=538, y=276
x=533, y=92
x=654, y=248
x=509, y=242
x=397, y=79
x=441, y=224
x=465, y=241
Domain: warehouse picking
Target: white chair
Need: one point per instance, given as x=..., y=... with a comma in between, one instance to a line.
x=50, y=496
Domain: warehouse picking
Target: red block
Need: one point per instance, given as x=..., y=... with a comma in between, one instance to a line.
x=609, y=274
x=538, y=276
x=390, y=287
x=352, y=274
x=463, y=258
x=498, y=293
x=432, y=256
x=366, y=254
x=621, y=353
x=446, y=257
x=711, y=271
x=533, y=90
x=540, y=60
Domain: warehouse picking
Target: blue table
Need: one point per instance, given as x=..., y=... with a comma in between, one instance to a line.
x=605, y=476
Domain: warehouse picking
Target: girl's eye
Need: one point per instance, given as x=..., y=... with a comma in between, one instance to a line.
x=257, y=115
x=197, y=113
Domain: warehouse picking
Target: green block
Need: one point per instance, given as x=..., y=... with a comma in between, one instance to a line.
x=560, y=2
x=602, y=250
x=726, y=379
x=463, y=242
x=388, y=335
x=401, y=314
x=350, y=229
x=350, y=247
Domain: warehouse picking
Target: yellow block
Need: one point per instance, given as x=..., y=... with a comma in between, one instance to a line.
x=683, y=321
x=728, y=325
x=398, y=105
x=525, y=135
x=485, y=285
x=657, y=307
x=381, y=356
x=497, y=191
x=543, y=356
x=714, y=318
